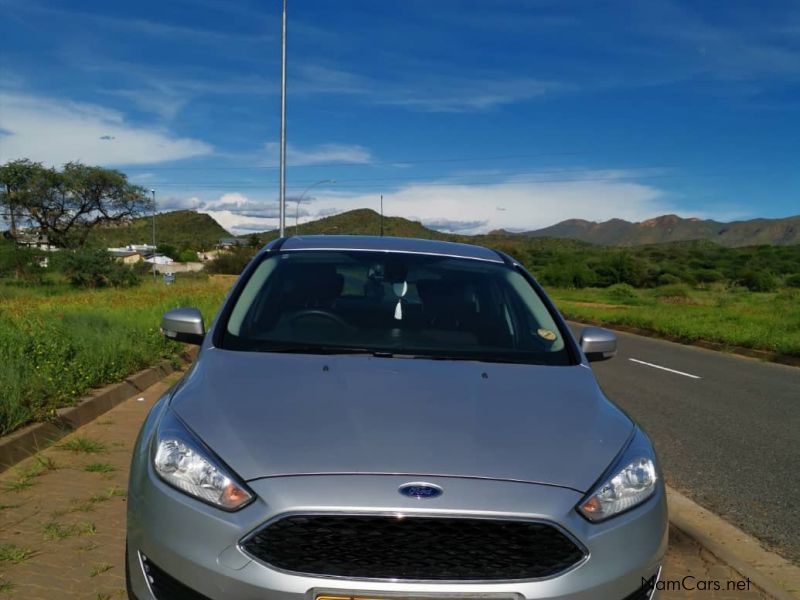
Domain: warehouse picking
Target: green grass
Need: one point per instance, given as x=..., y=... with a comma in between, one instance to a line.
x=99, y=468
x=55, y=531
x=81, y=444
x=14, y=554
x=57, y=343
x=101, y=568
x=27, y=475
x=726, y=315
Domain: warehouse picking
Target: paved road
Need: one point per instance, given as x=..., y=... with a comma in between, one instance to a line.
x=727, y=430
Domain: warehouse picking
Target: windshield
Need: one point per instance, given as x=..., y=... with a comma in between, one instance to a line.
x=393, y=304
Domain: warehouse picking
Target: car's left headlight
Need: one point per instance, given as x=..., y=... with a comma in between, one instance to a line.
x=184, y=462
x=629, y=482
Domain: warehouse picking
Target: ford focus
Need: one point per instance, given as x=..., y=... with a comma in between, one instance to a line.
x=388, y=418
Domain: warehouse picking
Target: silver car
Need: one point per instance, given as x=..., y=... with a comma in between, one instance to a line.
x=391, y=418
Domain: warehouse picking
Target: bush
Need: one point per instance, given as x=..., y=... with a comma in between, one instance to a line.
x=707, y=275
x=97, y=269
x=668, y=279
x=187, y=256
x=568, y=275
x=624, y=293
x=676, y=290
x=793, y=281
x=22, y=264
x=758, y=281
x=230, y=263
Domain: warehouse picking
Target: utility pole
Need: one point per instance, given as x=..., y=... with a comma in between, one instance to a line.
x=283, y=126
x=154, y=233
x=381, y=215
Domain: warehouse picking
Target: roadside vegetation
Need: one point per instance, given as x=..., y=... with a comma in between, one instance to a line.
x=57, y=342
x=731, y=316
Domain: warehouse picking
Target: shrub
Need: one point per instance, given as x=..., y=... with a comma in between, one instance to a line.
x=569, y=275
x=676, y=290
x=20, y=263
x=758, y=281
x=793, y=280
x=707, y=275
x=668, y=279
x=230, y=263
x=97, y=269
x=624, y=293
x=621, y=267
x=187, y=256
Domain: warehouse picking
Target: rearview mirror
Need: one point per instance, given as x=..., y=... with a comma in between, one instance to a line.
x=183, y=325
x=598, y=343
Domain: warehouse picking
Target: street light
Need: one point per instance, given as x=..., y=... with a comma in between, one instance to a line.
x=297, y=210
x=154, y=232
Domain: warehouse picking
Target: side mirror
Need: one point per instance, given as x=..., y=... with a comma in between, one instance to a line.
x=598, y=344
x=183, y=325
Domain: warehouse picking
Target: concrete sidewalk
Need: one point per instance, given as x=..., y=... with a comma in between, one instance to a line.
x=62, y=519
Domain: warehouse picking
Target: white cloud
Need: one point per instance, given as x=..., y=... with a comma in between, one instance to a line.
x=55, y=132
x=467, y=209
x=320, y=154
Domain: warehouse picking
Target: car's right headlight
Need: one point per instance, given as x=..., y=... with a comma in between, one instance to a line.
x=630, y=481
x=185, y=463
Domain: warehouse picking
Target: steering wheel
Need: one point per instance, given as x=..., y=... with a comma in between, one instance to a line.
x=317, y=312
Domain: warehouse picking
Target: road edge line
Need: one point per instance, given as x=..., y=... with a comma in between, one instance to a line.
x=774, y=574
x=27, y=441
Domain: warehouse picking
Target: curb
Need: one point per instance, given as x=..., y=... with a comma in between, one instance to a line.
x=772, y=573
x=763, y=355
x=27, y=441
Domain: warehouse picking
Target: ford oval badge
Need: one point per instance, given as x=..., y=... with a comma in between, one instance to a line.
x=420, y=491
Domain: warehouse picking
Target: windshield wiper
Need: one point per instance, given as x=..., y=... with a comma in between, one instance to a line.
x=327, y=350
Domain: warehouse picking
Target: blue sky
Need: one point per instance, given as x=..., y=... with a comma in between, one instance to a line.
x=469, y=115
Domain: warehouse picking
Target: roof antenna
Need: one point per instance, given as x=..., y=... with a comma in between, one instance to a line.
x=381, y=215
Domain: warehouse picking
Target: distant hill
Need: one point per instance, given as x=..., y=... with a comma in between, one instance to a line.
x=190, y=229
x=362, y=221
x=181, y=228
x=672, y=228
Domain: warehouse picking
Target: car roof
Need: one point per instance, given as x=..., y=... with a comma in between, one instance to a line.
x=388, y=244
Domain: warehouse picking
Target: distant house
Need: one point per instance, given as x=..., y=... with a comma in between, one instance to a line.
x=37, y=241
x=230, y=243
x=159, y=259
x=128, y=257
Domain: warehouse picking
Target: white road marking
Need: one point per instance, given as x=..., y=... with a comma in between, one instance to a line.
x=641, y=362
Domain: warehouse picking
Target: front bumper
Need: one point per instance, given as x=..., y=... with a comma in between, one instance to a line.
x=198, y=545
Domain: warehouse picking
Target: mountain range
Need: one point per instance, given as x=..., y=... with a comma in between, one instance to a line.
x=672, y=228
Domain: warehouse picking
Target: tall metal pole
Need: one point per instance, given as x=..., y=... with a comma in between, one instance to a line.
x=283, y=125
x=154, y=232
x=381, y=215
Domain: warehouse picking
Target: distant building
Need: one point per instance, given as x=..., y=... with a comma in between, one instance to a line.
x=159, y=259
x=128, y=257
x=143, y=249
x=229, y=243
x=37, y=241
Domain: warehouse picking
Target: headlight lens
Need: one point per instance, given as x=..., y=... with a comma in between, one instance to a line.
x=631, y=481
x=183, y=462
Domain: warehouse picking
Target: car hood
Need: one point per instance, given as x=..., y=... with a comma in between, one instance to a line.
x=267, y=414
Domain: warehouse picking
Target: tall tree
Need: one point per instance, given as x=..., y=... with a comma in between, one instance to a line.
x=66, y=205
x=16, y=178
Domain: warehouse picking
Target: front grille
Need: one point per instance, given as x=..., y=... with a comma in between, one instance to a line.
x=166, y=587
x=418, y=548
